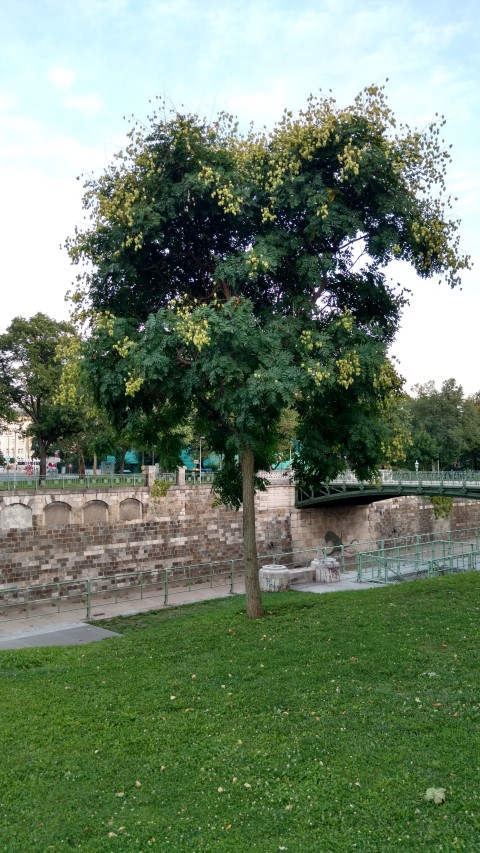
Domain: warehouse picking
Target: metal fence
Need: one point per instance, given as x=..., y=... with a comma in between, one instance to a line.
x=82, y=596
x=12, y=482
x=420, y=558
x=382, y=561
x=164, y=585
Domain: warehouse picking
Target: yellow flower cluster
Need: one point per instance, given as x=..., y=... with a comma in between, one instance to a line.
x=345, y=320
x=222, y=189
x=104, y=321
x=306, y=339
x=192, y=329
x=257, y=264
x=350, y=159
x=322, y=211
x=315, y=371
x=133, y=383
x=123, y=347
x=387, y=380
x=348, y=369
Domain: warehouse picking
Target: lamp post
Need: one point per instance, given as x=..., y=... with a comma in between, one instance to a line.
x=200, y=457
x=15, y=433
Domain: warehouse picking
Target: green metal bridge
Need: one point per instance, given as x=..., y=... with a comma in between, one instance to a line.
x=347, y=489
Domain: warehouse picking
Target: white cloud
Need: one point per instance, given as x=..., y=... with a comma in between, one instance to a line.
x=85, y=103
x=62, y=78
x=427, y=34
x=438, y=334
x=7, y=101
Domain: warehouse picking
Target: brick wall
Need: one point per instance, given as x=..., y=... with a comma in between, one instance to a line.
x=182, y=528
x=406, y=516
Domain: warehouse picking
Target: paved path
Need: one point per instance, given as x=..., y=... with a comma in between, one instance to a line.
x=60, y=629
x=51, y=635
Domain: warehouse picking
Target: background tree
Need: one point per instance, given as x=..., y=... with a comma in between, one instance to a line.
x=471, y=432
x=231, y=276
x=29, y=379
x=438, y=425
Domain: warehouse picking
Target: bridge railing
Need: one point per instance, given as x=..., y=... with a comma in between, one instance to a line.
x=387, y=476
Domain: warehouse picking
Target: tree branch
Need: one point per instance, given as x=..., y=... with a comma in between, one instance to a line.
x=213, y=413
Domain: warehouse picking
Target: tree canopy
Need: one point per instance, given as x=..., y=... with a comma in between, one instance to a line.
x=444, y=425
x=230, y=276
x=29, y=379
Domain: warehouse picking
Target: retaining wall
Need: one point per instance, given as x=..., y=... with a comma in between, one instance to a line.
x=120, y=531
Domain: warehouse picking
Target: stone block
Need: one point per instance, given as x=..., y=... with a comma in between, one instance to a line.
x=302, y=575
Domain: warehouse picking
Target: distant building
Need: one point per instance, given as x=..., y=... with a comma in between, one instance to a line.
x=14, y=444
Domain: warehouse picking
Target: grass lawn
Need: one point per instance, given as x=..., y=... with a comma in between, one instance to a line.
x=317, y=728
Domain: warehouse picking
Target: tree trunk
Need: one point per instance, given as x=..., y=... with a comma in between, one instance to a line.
x=121, y=466
x=42, y=450
x=81, y=461
x=94, y=464
x=252, y=583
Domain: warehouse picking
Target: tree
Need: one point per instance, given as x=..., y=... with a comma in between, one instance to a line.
x=471, y=431
x=29, y=378
x=231, y=276
x=437, y=424
x=92, y=431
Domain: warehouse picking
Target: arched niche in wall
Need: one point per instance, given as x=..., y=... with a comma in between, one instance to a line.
x=130, y=509
x=57, y=514
x=95, y=512
x=15, y=515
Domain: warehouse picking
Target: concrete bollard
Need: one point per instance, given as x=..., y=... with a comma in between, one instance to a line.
x=274, y=578
x=326, y=570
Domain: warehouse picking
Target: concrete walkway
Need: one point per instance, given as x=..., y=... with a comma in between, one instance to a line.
x=348, y=582
x=61, y=629
x=52, y=635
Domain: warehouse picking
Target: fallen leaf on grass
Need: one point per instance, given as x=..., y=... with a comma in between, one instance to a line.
x=437, y=795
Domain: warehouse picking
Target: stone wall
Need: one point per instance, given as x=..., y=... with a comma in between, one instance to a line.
x=85, y=534
x=407, y=516
x=58, y=508
x=181, y=529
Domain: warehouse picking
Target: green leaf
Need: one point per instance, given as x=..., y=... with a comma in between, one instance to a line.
x=435, y=794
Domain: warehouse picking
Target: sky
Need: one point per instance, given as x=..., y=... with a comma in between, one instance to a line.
x=73, y=71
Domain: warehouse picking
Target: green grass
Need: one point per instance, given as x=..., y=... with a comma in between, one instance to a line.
x=317, y=728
